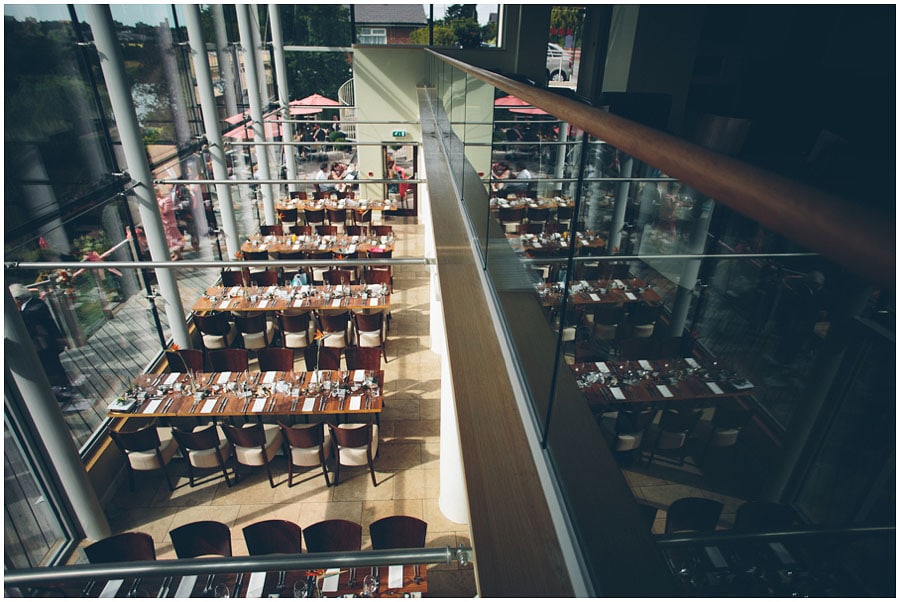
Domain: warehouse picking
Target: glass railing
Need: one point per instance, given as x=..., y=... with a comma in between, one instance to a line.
x=651, y=301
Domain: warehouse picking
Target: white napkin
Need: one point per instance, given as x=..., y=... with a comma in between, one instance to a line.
x=208, y=406
x=645, y=365
x=111, y=588
x=395, y=576
x=255, y=587
x=269, y=378
x=308, y=404
x=630, y=297
x=373, y=301
x=171, y=378
x=359, y=376
x=715, y=556
x=298, y=303
x=619, y=283
x=715, y=388
x=223, y=378
x=186, y=586
x=336, y=303
x=152, y=406
x=263, y=303
x=664, y=390
x=355, y=402
x=601, y=366
x=617, y=392
x=595, y=297
x=271, y=290
x=258, y=405
x=783, y=555
x=224, y=303
x=536, y=245
x=330, y=583
x=563, y=243
x=691, y=362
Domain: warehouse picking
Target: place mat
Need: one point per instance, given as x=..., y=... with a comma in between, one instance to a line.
x=359, y=376
x=595, y=297
x=645, y=364
x=259, y=404
x=691, y=362
x=269, y=378
x=223, y=378
x=355, y=402
x=601, y=366
x=208, y=406
x=171, y=378
x=330, y=583
x=664, y=390
x=630, y=297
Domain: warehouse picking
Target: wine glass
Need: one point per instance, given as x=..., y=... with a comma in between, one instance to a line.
x=222, y=591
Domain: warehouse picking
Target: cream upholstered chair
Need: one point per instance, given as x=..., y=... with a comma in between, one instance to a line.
x=309, y=445
x=355, y=444
x=216, y=329
x=630, y=428
x=295, y=329
x=256, y=331
x=148, y=448
x=254, y=445
x=370, y=331
x=334, y=326
x=204, y=447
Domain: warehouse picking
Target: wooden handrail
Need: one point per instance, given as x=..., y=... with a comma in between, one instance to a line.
x=850, y=235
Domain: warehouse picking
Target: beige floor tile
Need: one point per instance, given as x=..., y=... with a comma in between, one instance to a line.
x=253, y=488
x=185, y=495
x=376, y=509
x=223, y=514
x=431, y=454
x=663, y=495
x=401, y=409
x=155, y=522
x=430, y=409
x=398, y=456
x=409, y=484
x=436, y=520
x=420, y=430
x=254, y=513
x=439, y=539
x=356, y=485
x=313, y=512
x=432, y=482
x=309, y=486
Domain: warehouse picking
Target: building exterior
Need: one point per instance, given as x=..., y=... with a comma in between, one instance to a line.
x=388, y=23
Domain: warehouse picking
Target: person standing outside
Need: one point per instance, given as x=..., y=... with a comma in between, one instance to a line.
x=48, y=340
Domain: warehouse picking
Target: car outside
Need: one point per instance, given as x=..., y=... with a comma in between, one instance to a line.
x=559, y=63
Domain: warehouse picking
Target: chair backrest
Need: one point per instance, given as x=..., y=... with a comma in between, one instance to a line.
x=644, y=313
x=269, y=230
x=333, y=322
x=229, y=360
x=298, y=194
x=301, y=230
x=263, y=278
x=511, y=215
x=336, y=216
x=363, y=358
x=183, y=360
x=201, y=538
x=376, y=254
x=357, y=230
x=538, y=214
x=634, y=421
x=362, y=217
x=288, y=215
x=339, y=276
x=315, y=216
x=255, y=255
x=235, y=277
x=246, y=436
x=251, y=323
x=275, y=358
x=328, y=230
x=759, y=516
x=142, y=439
x=531, y=228
x=679, y=422
x=693, y=514
x=312, y=435
x=728, y=417
x=207, y=438
x=382, y=230
x=334, y=535
x=329, y=358
x=565, y=212
x=124, y=547
x=376, y=276
x=273, y=537
x=609, y=313
x=395, y=532
x=294, y=322
x=360, y=436
x=319, y=255
x=214, y=323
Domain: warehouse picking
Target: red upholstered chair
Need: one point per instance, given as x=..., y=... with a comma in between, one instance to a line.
x=124, y=547
x=334, y=535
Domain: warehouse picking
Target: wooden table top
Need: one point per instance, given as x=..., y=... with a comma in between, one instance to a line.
x=549, y=202
x=358, y=205
x=255, y=394
x=247, y=585
x=278, y=298
x=543, y=245
x=654, y=381
x=340, y=244
x=588, y=292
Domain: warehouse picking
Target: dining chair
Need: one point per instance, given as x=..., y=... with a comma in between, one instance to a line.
x=275, y=358
x=236, y=277
x=298, y=194
x=642, y=317
x=273, y=536
x=265, y=230
x=630, y=427
x=382, y=230
x=537, y=215
x=363, y=358
x=511, y=217
x=309, y=445
x=564, y=215
x=354, y=444
x=764, y=516
x=393, y=532
x=616, y=270
x=340, y=276
x=317, y=273
x=300, y=230
x=336, y=217
x=132, y=546
x=673, y=431
x=357, y=230
x=537, y=228
x=256, y=331
x=605, y=319
x=288, y=218
x=255, y=255
x=286, y=274
x=264, y=278
x=216, y=329
x=379, y=275
x=183, y=360
x=334, y=326
x=294, y=329
x=361, y=218
x=326, y=230
x=693, y=514
x=254, y=445
x=725, y=427
x=147, y=448
x=229, y=360
x=335, y=535
x=326, y=358
x=204, y=447
x=370, y=331
x=201, y=538
x=314, y=217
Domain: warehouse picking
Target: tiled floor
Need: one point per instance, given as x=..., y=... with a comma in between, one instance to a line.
x=407, y=467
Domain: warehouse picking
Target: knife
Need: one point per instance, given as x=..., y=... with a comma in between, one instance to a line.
x=164, y=590
x=237, y=585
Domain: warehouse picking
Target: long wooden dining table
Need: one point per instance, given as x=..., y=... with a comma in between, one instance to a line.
x=672, y=380
x=224, y=394
x=592, y=292
x=340, y=244
x=279, y=298
x=400, y=581
x=552, y=203
x=554, y=245
x=357, y=205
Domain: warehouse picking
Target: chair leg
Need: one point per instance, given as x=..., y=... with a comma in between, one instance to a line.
x=130, y=478
x=290, y=473
x=190, y=468
x=168, y=480
x=269, y=472
x=337, y=472
x=372, y=472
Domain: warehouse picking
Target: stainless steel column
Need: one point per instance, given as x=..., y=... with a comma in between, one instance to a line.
x=24, y=367
x=211, y=125
x=223, y=56
x=245, y=25
x=136, y=159
x=284, y=96
x=618, y=220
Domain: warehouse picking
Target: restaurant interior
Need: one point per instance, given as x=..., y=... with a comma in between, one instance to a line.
x=627, y=335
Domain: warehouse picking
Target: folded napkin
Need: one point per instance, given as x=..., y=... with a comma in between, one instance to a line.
x=630, y=297
x=601, y=366
x=152, y=406
x=269, y=377
x=208, y=406
x=617, y=392
x=224, y=304
x=691, y=362
x=715, y=388
x=255, y=587
x=664, y=390
x=308, y=404
x=332, y=577
x=359, y=376
x=171, y=378
x=336, y=303
x=111, y=588
x=783, y=555
x=595, y=297
x=373, y=301
x=395, y=576
x=355, y=402
x=259, y=404
x=263, y=303
x=186, y=586
x=223, y=378
x=645, y=365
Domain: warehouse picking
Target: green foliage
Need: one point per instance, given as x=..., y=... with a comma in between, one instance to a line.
x=467, y=33
x=87, y=243
x=457, y=12
x=336, y=136
x=316, y=25
x=563, y=18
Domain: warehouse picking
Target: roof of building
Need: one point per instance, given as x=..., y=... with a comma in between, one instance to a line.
x=390, y=14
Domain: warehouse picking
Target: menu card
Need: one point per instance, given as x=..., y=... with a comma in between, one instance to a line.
x=359, y=376
x=208, y=406
x=258, y=405
x=664, y=390
x=298, y=303
x=691, y=362
x=618, y=283
x=263, y=303
x=617, y=392
x=171, y=378
x=186, y=586
x=332, y=577
x=595, y=297
x=715, y=388
x=224, y=304
x=255, y=587
x=223, y=378
x=111, y=588
x=152, y=406
x=336, y=303
x=308, y=404
x=601, y=366
x=630, y=297
x=355, y=402
x=645, y=365
x=395, y=576
x=373, y=301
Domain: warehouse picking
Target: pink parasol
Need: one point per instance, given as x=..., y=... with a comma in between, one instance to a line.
x=315, y=100
x=517, y=105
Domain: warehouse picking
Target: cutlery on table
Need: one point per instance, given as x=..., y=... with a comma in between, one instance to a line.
x=87, y=589
x=132, y=593
x=281, y=577
x=237, y=585
x=208, y=588
x=164, y=589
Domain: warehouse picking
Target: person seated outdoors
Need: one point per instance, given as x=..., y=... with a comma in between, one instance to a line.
x=499, y=171
x=323, y=174
x=337, y=173
x=522, y=173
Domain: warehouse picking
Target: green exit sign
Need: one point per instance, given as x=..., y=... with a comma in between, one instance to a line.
x=398, y=133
